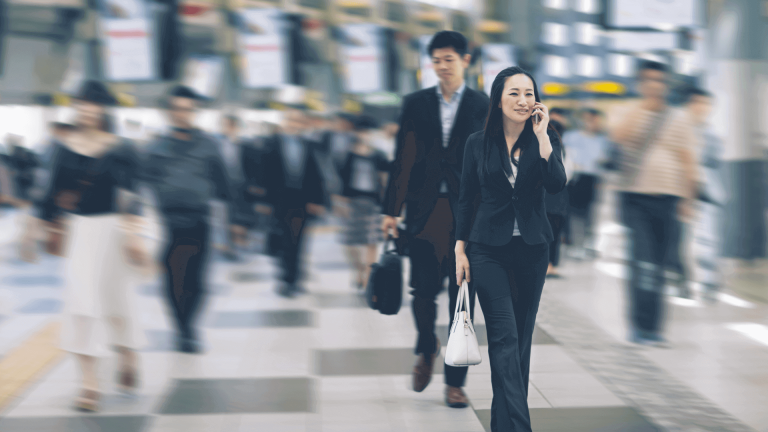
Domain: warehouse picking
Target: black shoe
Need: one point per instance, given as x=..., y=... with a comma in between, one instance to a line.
x=639, y=337
x=286, y=290
x=189, y=346
x=231, y=256
x=657, y=340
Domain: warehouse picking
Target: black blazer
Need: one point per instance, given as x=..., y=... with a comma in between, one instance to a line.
x=493, y=222
x=278, y=195
x=421, y=163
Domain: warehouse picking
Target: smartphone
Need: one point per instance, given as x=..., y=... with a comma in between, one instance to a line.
x=536, y=116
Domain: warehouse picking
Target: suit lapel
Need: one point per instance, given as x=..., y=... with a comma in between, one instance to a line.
x=527, y=159
x=460, y=114
x=434, y=113
x=496, y=169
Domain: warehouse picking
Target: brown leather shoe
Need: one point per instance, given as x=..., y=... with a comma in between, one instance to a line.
x=422, y=372
x=455, y=397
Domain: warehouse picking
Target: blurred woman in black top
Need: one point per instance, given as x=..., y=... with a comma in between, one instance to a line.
x=90, y=193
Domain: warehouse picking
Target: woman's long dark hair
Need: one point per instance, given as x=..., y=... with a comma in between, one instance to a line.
x=494, y=123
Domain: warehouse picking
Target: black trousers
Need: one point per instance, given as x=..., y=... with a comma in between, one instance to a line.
x=583, y=195
x=509, y=280
x=292, y=224
x=185, y=265
x=674, y=258
x=557, y=222
x=432, y=261
x=651, y=220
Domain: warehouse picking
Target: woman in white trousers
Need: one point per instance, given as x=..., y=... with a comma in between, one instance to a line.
x=89, y=193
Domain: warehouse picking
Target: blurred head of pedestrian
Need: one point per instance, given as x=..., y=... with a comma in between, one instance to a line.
x=183, y=104
x=591, y=120
x=390, y=129
x=90, y=106
x=653, y=80
x=344, y=122
x=316, y=121
x=231, y=126
x=699, y=103
x=59, y=130
x=562, y=116
x=294, y=120
x=13, y=142
x=448, y=51
x=365, y=125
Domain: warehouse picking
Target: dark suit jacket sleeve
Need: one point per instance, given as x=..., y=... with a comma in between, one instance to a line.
x=48, y=210
x=315, y=180
x=552, y=170
x=269, y=176
x=469, y=189
x=128, y=177
x=223, y=186
x=405, y=157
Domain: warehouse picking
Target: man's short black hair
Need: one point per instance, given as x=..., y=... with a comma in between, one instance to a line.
x=696, y=91
x=61, y=126
x=651, y=65
x=562, y=111
x=297, y=106
x=448, y=39
x=185, y=92
x=233, y=119
x=592, y=111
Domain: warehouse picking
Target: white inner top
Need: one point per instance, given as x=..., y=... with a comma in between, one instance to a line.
x=511, y=179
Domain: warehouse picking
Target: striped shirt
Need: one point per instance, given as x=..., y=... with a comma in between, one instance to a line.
x=659, y=168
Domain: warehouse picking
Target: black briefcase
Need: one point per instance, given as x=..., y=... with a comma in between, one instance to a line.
x=385, y=284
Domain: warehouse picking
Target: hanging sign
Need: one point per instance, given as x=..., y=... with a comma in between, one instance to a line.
x=127, y=35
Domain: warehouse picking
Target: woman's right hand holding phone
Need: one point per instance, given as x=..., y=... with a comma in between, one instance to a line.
x=462, y=263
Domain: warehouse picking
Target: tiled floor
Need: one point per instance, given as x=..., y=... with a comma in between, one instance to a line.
x=324, y=362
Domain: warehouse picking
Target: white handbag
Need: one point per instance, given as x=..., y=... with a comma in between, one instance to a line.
x=462, y=349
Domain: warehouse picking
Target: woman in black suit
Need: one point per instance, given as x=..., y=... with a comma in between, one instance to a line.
x=505, y=242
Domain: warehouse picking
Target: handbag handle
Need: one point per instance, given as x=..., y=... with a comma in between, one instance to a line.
x=462, y=302
x=389, y=241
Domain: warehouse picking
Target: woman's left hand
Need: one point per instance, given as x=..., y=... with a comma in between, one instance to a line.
x=542, y=112
x=136, y=251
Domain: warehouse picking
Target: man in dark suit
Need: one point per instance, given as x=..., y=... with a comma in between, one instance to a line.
x=232, y=148
x=295, y=189
x=434, y=126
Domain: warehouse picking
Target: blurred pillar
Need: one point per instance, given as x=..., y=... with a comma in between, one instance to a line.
x=739, y=82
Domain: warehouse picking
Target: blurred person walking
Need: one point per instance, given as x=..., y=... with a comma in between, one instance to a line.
x=434, y=126
x=588, y=150
x=708, y=228
x=340, y=139
x=186, y=170
x=295, y=190
x=92, y=216
x=503, y=245
x=232, y=150
x=363, y=176
x=658, y=180
x=557, y=205
x=21, y=163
